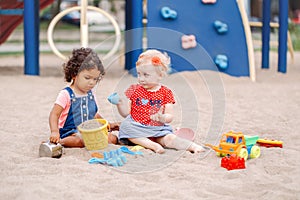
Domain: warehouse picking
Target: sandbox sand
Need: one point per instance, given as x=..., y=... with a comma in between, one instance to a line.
x=208, y=102
x=90, y=125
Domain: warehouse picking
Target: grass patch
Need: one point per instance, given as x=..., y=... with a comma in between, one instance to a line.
x=295, y=35
x=60, y=25
x=18, y=41
x=20, y=53
x=294, y=30
x=11, y=53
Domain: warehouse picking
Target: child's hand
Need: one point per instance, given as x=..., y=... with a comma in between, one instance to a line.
x=159, y=116
x=54, y=137
x=114, y=126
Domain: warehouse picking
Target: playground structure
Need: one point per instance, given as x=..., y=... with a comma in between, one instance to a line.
x=213, y=25
x=220, y=29
x=199, y=35
x=84, y=28
x=12, y=13
x=275, y=43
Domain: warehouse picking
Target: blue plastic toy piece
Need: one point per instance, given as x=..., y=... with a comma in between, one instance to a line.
x=221, y=61
x=220, y=27
x=126, y=150
x=113, y=158
x=97, y=161
x=114, y=98
x=168, y=13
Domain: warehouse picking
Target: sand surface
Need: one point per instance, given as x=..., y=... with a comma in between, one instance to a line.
x=208, y=102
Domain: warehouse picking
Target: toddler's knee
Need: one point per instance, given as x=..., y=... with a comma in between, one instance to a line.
x=78, y=142
x=171, y=137
x=168, y=139
x=112, y=139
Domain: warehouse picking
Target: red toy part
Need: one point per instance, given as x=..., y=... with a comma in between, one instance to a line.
x=269, y=143
x=233, y=162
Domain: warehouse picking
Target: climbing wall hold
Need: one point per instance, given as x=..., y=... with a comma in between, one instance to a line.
x=168, y=13
x=221, y=61
x=188, y=41
x=209, y=1
x=220, y=27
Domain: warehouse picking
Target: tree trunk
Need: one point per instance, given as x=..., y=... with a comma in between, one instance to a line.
x=56, y=8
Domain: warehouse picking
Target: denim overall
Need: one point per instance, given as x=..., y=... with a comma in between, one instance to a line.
x=81, y=109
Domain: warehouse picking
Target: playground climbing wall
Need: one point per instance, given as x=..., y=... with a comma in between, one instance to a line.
x=216, y=27
x=199, y=35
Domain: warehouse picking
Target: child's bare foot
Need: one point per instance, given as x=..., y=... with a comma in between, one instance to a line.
x=160, y=150
x=112, y=139
x=157, y=148
x=195, y=148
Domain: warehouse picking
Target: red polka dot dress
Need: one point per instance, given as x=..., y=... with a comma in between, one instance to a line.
x=143, y=104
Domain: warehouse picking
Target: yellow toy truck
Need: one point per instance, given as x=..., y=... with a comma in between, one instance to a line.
x=237, y=143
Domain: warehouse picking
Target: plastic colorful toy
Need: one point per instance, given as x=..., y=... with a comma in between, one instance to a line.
x=269, y=143
x=126, y=150
x=237, y=143
x=113, y=158
x=114, y=98
x=97, y=155
x=137, y=148
x=233, y=162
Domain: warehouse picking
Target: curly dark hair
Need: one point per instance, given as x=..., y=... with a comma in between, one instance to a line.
x=82, y=59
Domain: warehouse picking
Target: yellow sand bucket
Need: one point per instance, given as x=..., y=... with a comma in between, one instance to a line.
x=94, y=133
